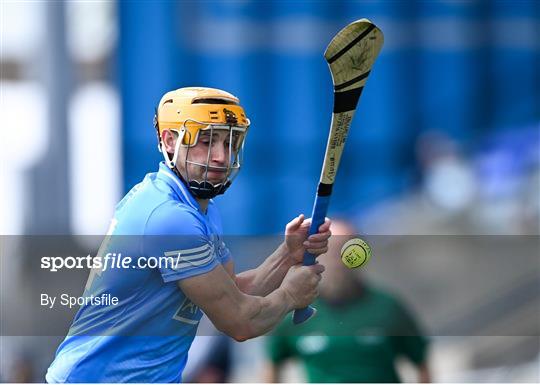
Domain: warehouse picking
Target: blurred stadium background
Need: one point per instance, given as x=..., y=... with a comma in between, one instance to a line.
x=446, y=141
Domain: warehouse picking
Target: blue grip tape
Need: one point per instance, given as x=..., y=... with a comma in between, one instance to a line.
x=320, y=208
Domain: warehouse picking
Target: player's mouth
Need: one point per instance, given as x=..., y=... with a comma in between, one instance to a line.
x=217, y=169
x=216, y=173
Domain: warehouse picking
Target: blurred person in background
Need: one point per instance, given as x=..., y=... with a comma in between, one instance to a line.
x=147, y=335
x=358, y=334
x=21, y=370
x=210, y=356
x=209, y=360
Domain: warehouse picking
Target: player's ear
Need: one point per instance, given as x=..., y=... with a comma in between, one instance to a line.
x=168, y=138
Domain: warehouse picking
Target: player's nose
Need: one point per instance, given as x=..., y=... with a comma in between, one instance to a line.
x=219, y=153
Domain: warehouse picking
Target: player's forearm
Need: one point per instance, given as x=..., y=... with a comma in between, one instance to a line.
x=258, y=315
x=270, y=311
x=268, y=276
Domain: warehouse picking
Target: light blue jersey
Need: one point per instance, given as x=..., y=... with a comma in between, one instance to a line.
x=147, y=335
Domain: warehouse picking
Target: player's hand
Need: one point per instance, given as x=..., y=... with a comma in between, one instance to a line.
x=301, y=284
x=296, y=233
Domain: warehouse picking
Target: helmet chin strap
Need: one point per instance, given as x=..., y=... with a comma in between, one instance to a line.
x=206, y=190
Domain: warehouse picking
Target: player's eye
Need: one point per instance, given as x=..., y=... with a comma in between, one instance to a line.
x=205, y=139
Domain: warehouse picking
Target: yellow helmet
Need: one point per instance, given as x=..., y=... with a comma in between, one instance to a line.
x=190, y=109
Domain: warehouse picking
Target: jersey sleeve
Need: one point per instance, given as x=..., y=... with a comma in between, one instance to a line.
x=224, y=253
x=176, y=238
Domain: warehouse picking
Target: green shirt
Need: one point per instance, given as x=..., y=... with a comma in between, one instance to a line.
x=355, y=342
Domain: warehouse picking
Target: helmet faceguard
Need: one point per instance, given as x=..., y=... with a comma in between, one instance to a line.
x=203, y=188
x=222, y=113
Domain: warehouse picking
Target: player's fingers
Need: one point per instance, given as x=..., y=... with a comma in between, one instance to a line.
x=322, y=228
x=315, y=244
x=318, y=251
x=326, y=225
x=320, y=237
x=295, y=223
x=317, y=268
x=307, y=223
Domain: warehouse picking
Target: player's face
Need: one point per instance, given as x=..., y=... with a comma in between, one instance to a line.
x=212, y=148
